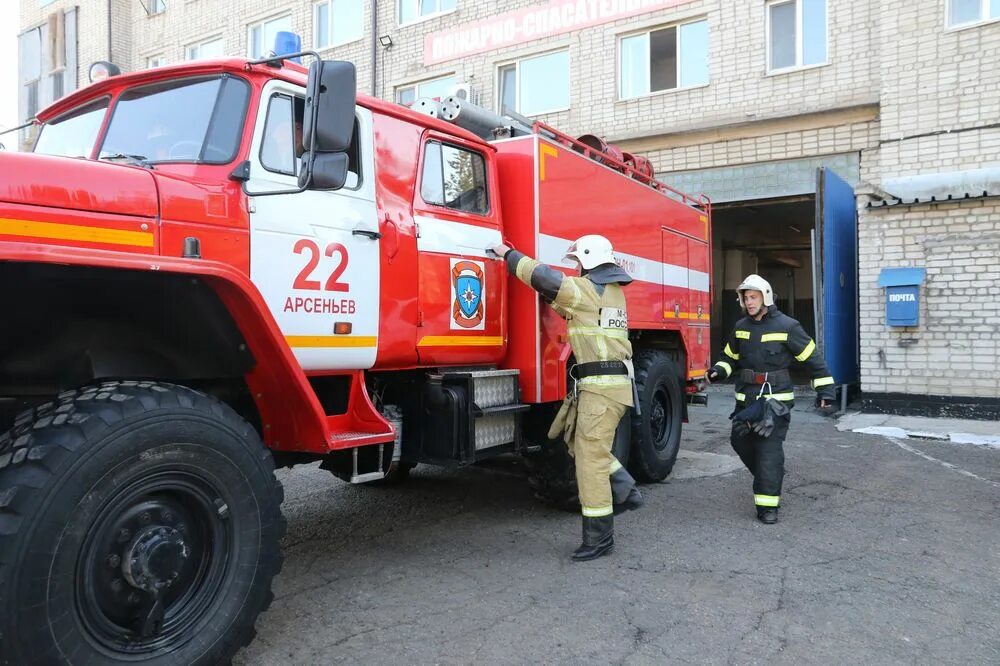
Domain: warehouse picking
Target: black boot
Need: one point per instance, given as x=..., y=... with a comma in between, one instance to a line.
x=768, y=516
x=633, y=501
x=598, y=538
x=626, y=495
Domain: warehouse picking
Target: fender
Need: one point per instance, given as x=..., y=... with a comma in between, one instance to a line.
x=292, y=417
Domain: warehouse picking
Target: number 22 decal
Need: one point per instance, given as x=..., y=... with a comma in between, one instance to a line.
x=303, y=281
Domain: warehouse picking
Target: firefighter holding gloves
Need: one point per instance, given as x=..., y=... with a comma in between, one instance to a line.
x=757, y=355
x=594, y=306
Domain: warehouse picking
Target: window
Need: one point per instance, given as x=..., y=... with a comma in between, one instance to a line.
x=337, y=22
x=970, y=12
x=262, y=35
x=281, y=147
x=454, y=178
x=535, y=85
x=435, y=88
x=46, y=66
x=190, y=120
x=156, y=61
x=73, y=134
x=674, y=57
x=210, y=48
x=156, y=7
x=30, y=61
x=413, y=10
x=796, y=32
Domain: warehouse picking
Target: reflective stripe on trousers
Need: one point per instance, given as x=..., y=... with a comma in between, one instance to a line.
x=766, y=500
x=777, y=396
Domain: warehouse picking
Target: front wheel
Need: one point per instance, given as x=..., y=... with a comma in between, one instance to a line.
x=141, y=524
x=656, y=433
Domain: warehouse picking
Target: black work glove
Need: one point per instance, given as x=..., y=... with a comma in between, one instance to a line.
x=741, y=428
x=774, y=409
x=712, y=376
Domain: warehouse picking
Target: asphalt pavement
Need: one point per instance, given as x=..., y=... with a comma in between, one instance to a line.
x=888, y=551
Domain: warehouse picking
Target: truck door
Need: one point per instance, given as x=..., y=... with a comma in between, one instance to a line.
x=461, y=286
x=314, y=255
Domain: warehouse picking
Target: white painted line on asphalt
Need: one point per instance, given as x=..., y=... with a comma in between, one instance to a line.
x=947, y=465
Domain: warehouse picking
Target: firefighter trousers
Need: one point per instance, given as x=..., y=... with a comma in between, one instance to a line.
x=597, y=419
x=765, y=458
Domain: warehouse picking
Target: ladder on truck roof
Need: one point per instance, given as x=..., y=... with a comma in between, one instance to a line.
x=492, y=126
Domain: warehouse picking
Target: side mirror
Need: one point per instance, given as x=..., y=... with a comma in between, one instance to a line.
x=323, y=171
x=329, y=111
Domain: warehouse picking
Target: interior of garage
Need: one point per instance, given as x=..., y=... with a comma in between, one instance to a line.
x=773, y=239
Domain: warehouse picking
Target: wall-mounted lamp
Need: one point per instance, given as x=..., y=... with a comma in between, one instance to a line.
x=385, y=40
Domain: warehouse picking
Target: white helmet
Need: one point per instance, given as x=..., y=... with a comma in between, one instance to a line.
x=755, y=282
x=591, y=251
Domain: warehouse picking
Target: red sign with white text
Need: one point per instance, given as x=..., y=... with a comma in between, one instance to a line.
x=553, y=18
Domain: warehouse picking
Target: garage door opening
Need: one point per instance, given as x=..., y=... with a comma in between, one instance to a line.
x=773, y=239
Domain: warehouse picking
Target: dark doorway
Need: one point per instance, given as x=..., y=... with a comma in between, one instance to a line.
x=773, y=239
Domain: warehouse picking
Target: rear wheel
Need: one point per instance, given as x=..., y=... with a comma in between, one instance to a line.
x=552, y=471
x=656, y=433
x=141, y=524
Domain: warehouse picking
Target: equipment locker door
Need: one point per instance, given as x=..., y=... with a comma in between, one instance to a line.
x=699, y=305
x=314, y=255
x=835, y=270
x=676, y=298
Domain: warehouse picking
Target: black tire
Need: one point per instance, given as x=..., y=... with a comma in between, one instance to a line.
x=656, y=433
x=118, y=489
x=552, y=471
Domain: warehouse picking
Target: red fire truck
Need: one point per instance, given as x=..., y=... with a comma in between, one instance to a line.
x=215, y=268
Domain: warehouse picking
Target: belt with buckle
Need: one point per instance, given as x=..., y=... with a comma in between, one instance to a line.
x=594, y=368
x=773, y=376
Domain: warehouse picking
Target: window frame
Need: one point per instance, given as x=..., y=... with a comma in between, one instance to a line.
x=110, y=117
x=419, y=190
x=329, y=27
x=985, y=7
x=498, y=89
x=160, y=57
x=261, y=23
x=153, y=5
x=417, y=16
x=200, y=43
x=416, y=86
x=646, y=31
x=799, y=18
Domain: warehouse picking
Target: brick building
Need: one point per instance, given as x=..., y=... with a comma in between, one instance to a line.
x=763, y=105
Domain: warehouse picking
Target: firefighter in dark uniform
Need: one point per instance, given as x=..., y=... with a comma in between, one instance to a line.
x=597, y=326
x=758, y=355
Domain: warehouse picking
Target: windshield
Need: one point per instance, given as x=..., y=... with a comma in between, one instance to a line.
x=73, y=134
x=192, y=120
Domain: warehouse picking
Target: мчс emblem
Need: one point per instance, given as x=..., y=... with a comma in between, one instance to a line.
x=468, y=284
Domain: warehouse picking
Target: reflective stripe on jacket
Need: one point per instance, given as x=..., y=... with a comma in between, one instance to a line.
x=773, y=343
x=596, y=320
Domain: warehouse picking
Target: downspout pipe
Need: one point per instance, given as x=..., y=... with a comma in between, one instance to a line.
x=110, y=59
x=374, y=48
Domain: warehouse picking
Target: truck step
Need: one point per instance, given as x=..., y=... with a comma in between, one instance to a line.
x=358, y=476
x=342, y=440
x=501, y=409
